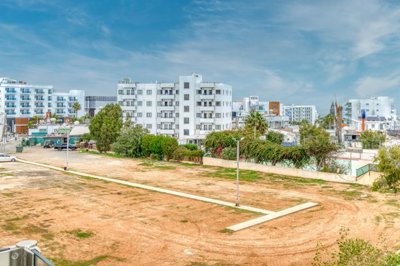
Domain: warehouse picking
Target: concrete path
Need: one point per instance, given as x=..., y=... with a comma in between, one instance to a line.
x=272, y=216
x=268, y=215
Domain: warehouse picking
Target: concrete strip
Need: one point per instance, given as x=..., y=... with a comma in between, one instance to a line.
x=156, y=189
x=272, y=216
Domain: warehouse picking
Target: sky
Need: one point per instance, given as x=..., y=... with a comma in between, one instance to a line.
x=296, y=52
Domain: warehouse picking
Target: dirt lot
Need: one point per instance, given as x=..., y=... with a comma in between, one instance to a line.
x=89, y=221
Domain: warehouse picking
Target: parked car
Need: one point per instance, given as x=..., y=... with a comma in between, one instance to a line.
x=64, y=146
x=7, y=158
x=48, y=144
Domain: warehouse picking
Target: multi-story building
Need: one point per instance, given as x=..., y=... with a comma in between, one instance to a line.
x=271, y=111
x=21, y=100
x=380, y=113
x=188, y=109
x=93, y=104
x=299, y=113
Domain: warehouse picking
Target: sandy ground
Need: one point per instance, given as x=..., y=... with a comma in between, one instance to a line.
x=137, y=227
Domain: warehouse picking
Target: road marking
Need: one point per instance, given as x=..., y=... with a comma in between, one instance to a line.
x=268, y=215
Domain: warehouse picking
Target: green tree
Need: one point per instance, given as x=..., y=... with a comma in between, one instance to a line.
x=274, y=137
x=372, y=139
x=105, y=126
x=388, y=160
x=129, y=142
x=76, y=106
x=168, y=146
x=255, y=124
x=216, y=141
x=327, y=122
x=317, y=143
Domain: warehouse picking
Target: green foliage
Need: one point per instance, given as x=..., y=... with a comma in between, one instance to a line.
x=184, y=153
x=388, y=160
x=191, y=147
x=76, y=106
x=297, y=155
x=105, y=126
x=129, y=142
x=158, y=146
x=372, y=139
x=327, y=122
x=215, y=142
x=230, y=173
x=86, y=137
x=168, y=146
x=356, y=252
x=229, y=153
x=274, y=137
x=317, y=142
x=255, y=124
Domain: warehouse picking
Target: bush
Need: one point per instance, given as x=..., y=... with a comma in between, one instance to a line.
x=372, y=139
x=229, y=153
x=168, y=146
x=191, y=147
x=356, y=252
x=182, y=153
x=129, y=142
x=274, y=137
x=159, y=146
x=380, y=184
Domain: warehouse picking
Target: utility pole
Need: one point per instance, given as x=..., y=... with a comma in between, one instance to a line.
x=237, y=172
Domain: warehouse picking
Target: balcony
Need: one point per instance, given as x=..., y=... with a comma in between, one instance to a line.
x=11, y=99
x=207, y=96
x=60, y=100
x=166, y=108
x=167, y=96
x=205, y=108
x=206, y=120
x=166, y=131
x=39, y=99
x=39, y=91
x=167, y=119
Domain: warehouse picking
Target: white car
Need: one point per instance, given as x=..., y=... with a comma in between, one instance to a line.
x=7, y=158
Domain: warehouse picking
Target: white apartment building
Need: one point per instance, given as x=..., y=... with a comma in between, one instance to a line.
x=298, y=113
x=188, y=109
x=380, y=113
x=19, y=99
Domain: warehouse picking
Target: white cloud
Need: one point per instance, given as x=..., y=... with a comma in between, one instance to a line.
x=371, y=86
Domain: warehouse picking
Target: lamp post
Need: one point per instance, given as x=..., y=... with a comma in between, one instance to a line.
x=237, y=171
x=66, y=157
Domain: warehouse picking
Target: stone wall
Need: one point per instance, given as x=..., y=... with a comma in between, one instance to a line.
x=280, y=170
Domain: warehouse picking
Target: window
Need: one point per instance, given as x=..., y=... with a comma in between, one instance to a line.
x=186, y=120
x=148, y=115
x=176, y=114
x=218, y=115
x=186, y=109
x=186, y=132
x=198, y=115
x=148, y=92
x=198, y=103
x=128, y=92
x=198, y=91
x=139, y=103
x=120, y=92
x=139, y=114
x=186, y=85
x=140, y=92
x=149, y=126
x=218, y=127
x=148, y=103
x=217, y=103
x=186, y=97
x=198, y=126
x=218, y=92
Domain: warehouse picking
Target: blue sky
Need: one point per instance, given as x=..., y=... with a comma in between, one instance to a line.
x=300, y=52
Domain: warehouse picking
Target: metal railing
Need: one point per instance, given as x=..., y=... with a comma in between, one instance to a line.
x=366, y=169
x=24, y=253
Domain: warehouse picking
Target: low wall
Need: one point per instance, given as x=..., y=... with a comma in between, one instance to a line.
x=280, y=170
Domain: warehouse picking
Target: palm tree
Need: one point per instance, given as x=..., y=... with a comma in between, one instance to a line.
x=76, y=106
x=256, y=122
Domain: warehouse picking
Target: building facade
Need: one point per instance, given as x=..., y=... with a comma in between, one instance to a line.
x=93, y=104
x=299, y=113
x=188, y=109
x=21, y=100
x=380, y=113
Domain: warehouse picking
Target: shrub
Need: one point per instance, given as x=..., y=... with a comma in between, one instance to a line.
x=182, y=153
x=191, y=146
x=229, y=153
x=129, y=142
x=274, y=137
x=168, y=146
x=372, y=139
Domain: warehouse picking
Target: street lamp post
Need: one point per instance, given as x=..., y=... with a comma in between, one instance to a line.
x=237, y=171
x=66, y=157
